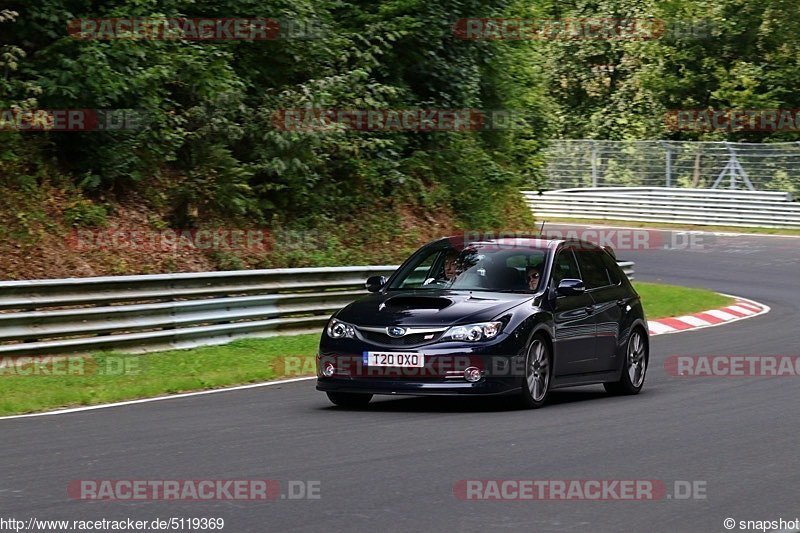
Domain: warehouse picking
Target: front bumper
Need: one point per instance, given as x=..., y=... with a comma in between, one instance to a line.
x=501, y=363
x=485, y=387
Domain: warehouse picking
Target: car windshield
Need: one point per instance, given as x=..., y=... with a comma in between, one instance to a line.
x=477, y=267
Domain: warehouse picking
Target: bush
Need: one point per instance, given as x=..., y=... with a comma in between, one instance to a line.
x=84, y=213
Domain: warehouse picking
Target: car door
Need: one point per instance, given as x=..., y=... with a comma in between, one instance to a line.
x=574, y=325
x=609, y=297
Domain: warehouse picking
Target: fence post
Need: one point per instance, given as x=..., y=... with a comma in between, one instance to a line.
x=669, y=165
x=594, y=164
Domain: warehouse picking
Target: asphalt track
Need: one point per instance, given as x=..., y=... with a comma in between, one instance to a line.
x=393, y=467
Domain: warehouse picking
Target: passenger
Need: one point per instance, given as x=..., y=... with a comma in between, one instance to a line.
x=533, y=275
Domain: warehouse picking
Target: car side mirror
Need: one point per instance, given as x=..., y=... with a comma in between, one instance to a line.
x=375, y=283
x=571, y=287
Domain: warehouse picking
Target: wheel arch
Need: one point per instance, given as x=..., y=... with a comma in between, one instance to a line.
x=642, y=326
x=544, y=330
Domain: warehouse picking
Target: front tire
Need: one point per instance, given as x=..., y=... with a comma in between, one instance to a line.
x=635, y=370
x=348, y=399
x=538, y=370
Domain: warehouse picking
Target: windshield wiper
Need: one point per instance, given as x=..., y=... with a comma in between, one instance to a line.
x=517, y=291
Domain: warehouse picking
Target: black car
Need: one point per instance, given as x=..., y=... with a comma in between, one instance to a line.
x=514, y=316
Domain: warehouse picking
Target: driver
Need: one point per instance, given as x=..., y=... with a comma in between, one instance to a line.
x=451, y=265
x=449, y=270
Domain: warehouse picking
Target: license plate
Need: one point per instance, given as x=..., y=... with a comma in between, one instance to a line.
x=395, y=359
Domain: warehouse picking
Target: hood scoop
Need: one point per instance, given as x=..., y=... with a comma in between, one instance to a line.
x=407, y=303
x=472, y=298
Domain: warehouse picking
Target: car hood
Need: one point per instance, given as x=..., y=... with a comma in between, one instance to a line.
x=429, y=307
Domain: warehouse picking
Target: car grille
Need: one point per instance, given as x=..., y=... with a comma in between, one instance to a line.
x=411, y=339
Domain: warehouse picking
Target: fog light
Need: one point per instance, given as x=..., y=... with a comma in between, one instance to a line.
x=328, y=370
x=472, y=374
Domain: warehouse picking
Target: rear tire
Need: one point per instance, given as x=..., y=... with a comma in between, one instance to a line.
x=635, y=370
x=538, y=371
x=348, y=399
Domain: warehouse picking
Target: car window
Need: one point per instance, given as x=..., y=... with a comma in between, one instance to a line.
x=593, y=270
x=612, y=268
x=565, y=267
x=422, y=271
x=478, y=267
x=517, y=261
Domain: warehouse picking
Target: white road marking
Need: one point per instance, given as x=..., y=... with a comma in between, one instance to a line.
x=722, y=315
x=157, y=399
x=693, y=321
x=741, y=309
x=658, y=328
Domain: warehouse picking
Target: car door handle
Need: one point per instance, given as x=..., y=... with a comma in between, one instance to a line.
x=589, y=309
x=622, y=303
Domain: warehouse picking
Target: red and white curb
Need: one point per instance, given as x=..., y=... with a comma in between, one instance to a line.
x=740, y=310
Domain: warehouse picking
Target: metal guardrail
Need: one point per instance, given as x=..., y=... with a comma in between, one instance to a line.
x=705, y=194
x=143, y=313
x=173, y=311
x=659, y=204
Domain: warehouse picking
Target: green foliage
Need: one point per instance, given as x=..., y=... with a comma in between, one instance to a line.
x=226, y=261
x=210, y=105
x=711, y=54
x=213, y=149
x=85, y=213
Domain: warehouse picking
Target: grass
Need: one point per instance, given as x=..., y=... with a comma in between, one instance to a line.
x=110, y=377
x=662, y=301
x=156, y=374
x=676, y=227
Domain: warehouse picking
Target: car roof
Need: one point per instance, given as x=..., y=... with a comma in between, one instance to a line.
x=504, y=240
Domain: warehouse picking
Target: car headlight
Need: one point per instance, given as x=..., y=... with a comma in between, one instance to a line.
x=475, y=332
x=340, y=330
